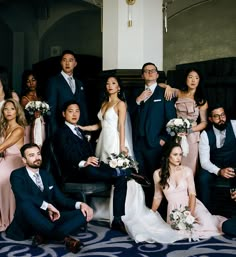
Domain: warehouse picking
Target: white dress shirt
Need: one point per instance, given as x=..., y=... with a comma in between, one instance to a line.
x=204, y=149
x=44, y=205
x=67, y=78
x=152, y=88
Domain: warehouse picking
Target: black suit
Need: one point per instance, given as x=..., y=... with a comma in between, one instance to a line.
x=59, y=92
x=71, y=150
x=149, y=127
x=30, y=219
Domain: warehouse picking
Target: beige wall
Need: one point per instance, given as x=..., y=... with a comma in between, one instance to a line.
x=207, y=31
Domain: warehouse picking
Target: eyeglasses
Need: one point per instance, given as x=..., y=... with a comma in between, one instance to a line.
x=150, y=71
x=218, y=116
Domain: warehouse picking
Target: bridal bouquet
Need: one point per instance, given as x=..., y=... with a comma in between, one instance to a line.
x=182, y=219
x=179, y=128
x=122, y=161
x=37, y=106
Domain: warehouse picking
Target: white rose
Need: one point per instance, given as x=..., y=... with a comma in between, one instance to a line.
x=120, y=162
x=190, y=219
x=187, y=123
x=113, y=163
x=176, y=215
x=182, y=226
x=178, y=122
x=187, y=213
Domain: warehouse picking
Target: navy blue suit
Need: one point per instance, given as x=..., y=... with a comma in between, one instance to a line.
x=71, y=150
x=30, y=219
x=58, y=92
x=149, y=127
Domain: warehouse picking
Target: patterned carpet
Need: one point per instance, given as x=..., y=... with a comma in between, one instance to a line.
x=101, y=241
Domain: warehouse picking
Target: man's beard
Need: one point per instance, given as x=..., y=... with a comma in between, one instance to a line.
x=221, y=126
x=35, y=165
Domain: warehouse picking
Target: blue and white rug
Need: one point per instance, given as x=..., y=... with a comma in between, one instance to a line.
x=101, y=241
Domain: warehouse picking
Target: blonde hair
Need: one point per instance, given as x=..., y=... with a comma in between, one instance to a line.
x=20, y=116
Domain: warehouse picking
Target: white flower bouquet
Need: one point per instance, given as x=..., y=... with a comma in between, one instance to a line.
x=37, y=106
x=182, y=219
x=179, y=128
x=122, y=161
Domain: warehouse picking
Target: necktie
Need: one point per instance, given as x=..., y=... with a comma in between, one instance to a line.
x=147, y=88
x=71, y=84
x=78, y=133
x=38, y=181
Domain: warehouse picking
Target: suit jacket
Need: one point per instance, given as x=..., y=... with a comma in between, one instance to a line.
x=158, y=112
x=59, y=92
x=70, y=150
x=26, y=191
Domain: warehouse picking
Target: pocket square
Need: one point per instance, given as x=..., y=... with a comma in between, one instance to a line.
x=51, y=187
x=157, y=100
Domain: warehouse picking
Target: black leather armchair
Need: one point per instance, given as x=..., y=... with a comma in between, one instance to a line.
x=79, y=191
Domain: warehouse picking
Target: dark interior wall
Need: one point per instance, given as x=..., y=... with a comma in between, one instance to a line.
x=79, y=31
x=6, y=44
x=206, y=31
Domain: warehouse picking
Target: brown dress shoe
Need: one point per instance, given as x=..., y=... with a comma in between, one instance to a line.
x=38, y=240
x=73, y=245
x=142, y=180
x=118, y=225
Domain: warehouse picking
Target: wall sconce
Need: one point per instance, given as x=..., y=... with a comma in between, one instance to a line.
x=130, y=3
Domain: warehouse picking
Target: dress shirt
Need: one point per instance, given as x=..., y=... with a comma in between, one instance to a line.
x=44, y=205
x=204, y=149
x=72, y=128
x=67, y=77
x=152, y=88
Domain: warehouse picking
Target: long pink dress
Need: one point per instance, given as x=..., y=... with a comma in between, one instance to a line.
x=177, y=195
x=11, y=161
x=186, y=108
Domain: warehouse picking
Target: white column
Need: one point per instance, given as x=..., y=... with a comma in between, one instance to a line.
x=127, y=47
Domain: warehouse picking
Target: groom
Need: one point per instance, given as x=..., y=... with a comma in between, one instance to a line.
x=80, y=165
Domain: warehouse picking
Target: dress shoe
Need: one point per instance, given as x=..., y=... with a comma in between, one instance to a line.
x=73, y=245
x=118, y=225
x=38, y=240
x=142, y=180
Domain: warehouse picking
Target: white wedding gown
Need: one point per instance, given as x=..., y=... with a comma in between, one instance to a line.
x=141, y=224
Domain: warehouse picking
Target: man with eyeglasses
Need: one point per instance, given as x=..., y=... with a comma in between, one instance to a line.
x=217, y=152
x=150, y=113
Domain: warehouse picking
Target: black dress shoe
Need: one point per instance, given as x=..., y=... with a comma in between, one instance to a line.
x=38, y=240
x=118, y=225
x=73, y=245
x=143, y=181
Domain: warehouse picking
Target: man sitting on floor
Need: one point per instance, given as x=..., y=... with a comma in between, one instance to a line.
x=217, y=152
x=41, y=209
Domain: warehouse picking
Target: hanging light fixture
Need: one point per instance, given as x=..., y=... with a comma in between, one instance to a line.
x=130, y=3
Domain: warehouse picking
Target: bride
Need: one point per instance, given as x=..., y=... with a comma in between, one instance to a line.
x=142, y=224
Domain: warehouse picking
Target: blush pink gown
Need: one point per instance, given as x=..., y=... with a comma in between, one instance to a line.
x=186, y=108
x=177, y=196
x=11, y=161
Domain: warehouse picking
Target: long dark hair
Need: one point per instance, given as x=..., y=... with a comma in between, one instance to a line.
x=199, y=95
x=4, y=77
x=25, y=76
x=165, y=169
x=121, y=94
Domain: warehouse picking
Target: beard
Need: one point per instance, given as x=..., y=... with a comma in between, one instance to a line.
x=35, y=164
x=221, y=126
